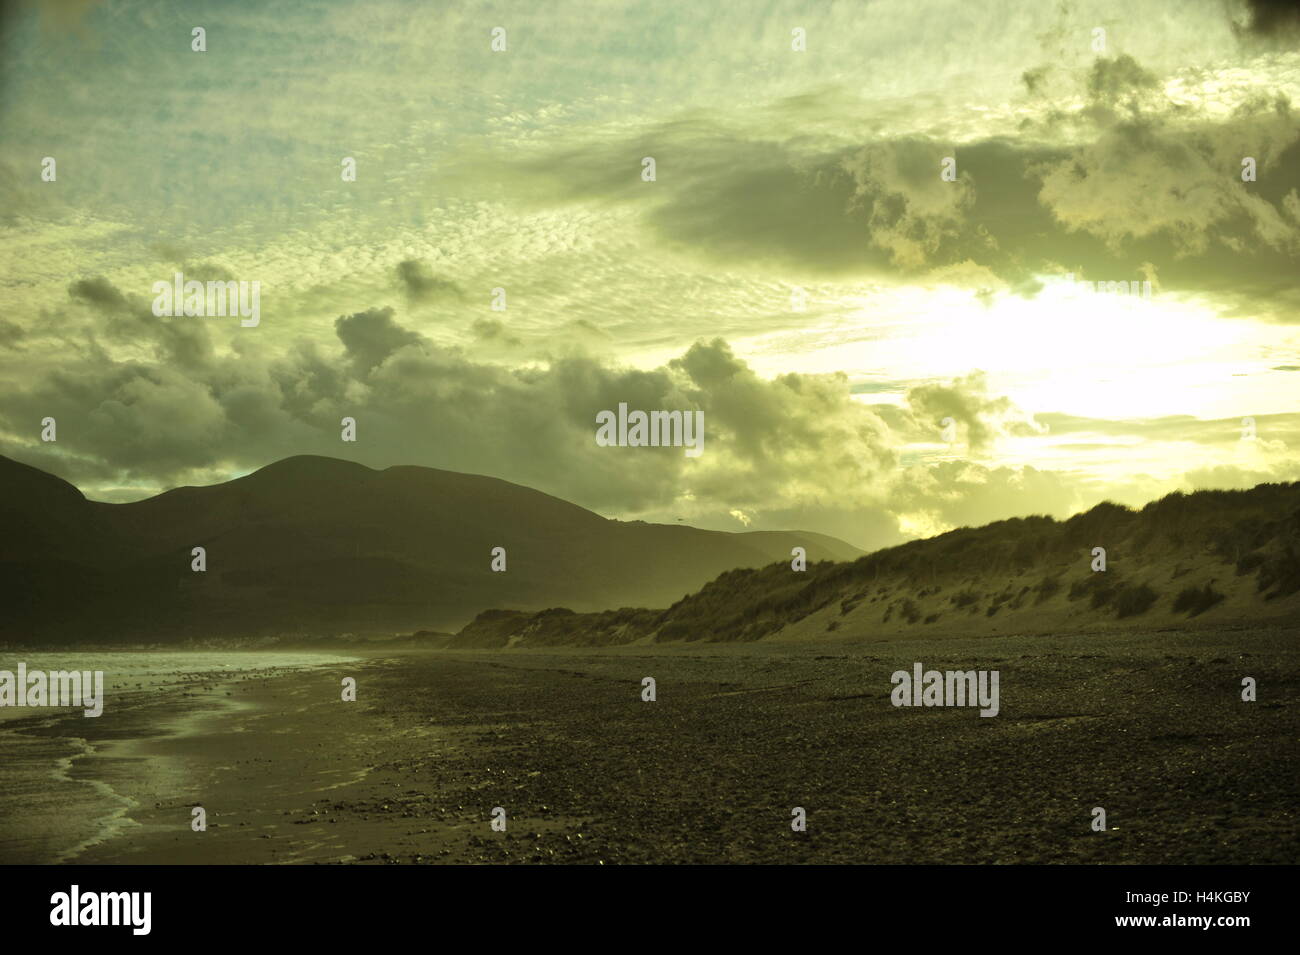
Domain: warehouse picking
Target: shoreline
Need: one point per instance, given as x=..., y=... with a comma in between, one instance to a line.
x=78, y=773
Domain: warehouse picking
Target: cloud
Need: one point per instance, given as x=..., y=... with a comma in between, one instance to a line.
x=11, y=333
x=1150, y=178
x=421, y=284
x=741, y=516
x=1118, y=180
x=967, y=402
x=1273, y=19
x=910, y=210
x=130, y=321
x=793, y=442
x=99, y=292
x=493, y=330
x=370, y=337
x=1110, y=80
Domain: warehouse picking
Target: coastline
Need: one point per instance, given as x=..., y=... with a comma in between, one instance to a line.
x=81, y=784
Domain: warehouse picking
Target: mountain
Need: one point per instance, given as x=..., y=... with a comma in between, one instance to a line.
x=319, y=546
x=1213, y=558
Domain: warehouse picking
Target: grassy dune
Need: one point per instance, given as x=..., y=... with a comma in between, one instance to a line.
x=1208, y=558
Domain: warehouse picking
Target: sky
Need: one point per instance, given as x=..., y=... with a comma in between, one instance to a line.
x=880, y=352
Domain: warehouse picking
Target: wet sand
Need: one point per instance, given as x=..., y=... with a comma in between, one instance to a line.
x=1149, y=726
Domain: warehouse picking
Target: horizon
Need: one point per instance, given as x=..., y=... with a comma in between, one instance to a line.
x=1134, y=509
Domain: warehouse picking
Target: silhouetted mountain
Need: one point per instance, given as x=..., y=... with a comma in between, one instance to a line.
x=1213, y=557
x=318, y=546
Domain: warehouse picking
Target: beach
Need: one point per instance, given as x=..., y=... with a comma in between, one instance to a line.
x=1149, y=726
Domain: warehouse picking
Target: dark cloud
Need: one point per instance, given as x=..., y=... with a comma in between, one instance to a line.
x=371, y=337
x=968, y=404
x=1033, y=79
x=1110, y=80
x=209, y=272
x=784, y=441
x=1274, y=19
x=183, y=342
x=11, y=333
x=1150, y=186
x=99, y=292
x=492, y=330
x=421, y=284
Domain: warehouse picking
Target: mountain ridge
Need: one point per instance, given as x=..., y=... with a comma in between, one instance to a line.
x=312, y=545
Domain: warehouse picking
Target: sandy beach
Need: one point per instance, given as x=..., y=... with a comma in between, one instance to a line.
x=1149, y=726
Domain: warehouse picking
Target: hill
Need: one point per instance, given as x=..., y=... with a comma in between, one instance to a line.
x=318, y=546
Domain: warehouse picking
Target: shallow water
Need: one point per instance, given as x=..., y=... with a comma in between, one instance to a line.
x=51, y=812
x=127, y=672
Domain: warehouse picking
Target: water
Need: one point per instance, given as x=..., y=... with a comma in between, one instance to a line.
x=49, y=811
x=131, y=672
